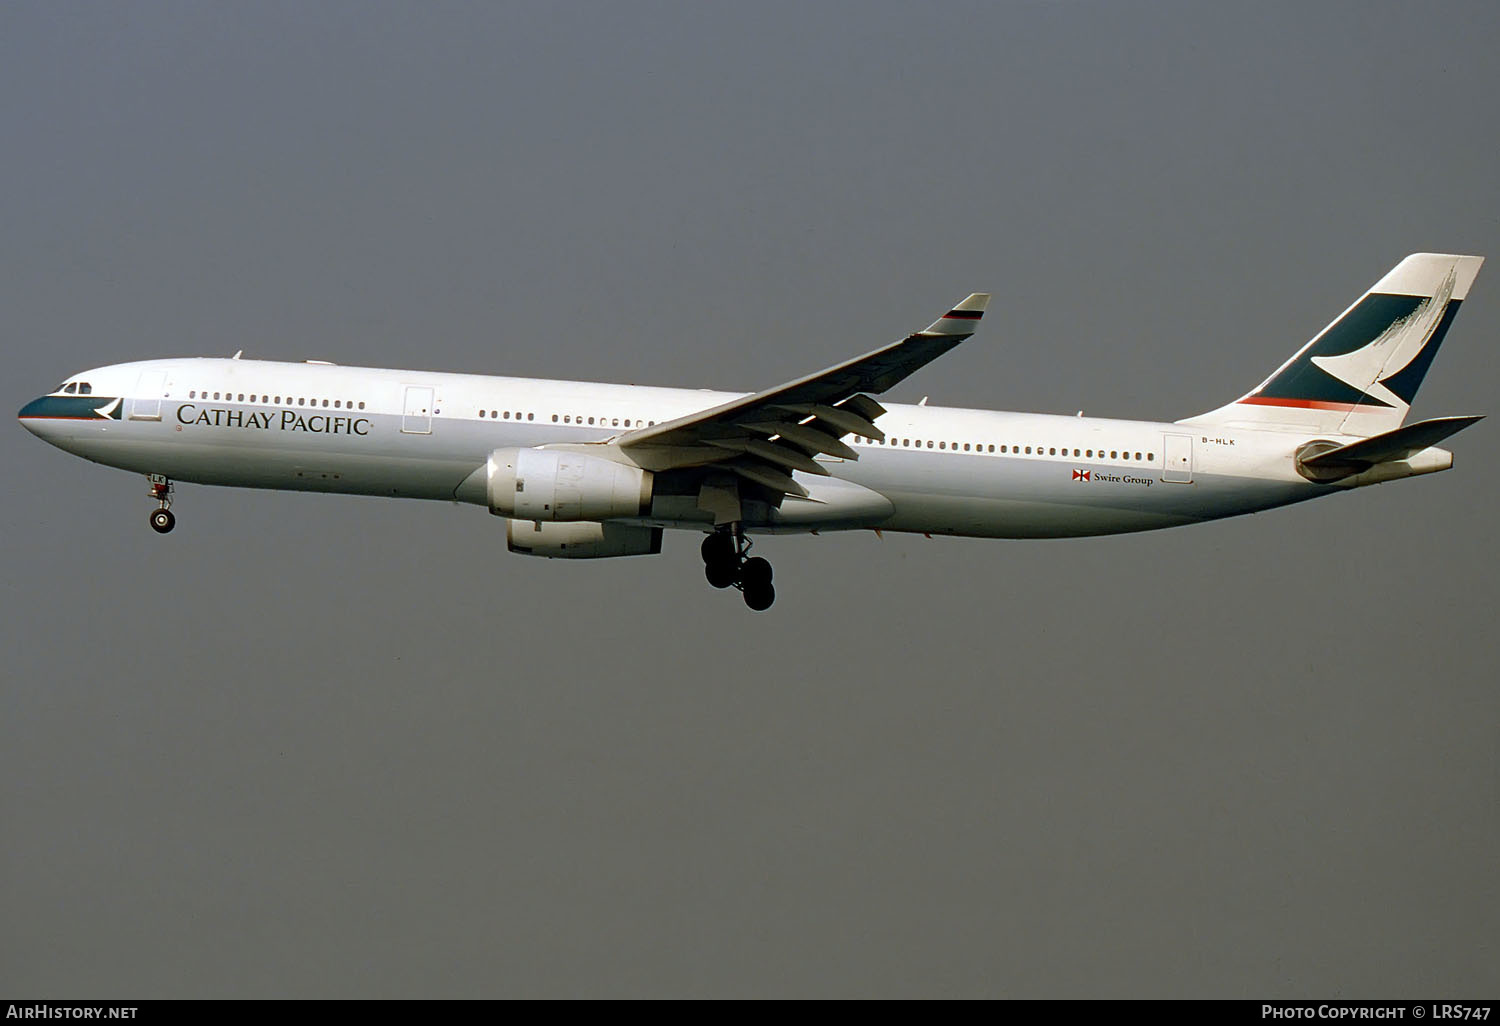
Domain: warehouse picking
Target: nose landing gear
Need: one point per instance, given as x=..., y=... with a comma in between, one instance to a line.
x=725, y=564
x=162, y=519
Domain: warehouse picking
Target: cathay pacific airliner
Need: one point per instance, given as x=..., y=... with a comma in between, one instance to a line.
x=587, y=471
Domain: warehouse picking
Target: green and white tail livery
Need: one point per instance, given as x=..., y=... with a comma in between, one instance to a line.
x=1358, y=376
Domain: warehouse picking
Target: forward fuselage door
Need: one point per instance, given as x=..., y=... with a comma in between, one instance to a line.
x=1177, y=467
x=145, y=404
x=416, y=417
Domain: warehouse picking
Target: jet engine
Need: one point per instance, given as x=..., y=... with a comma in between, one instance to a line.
x=581, y=540
x=560, y=485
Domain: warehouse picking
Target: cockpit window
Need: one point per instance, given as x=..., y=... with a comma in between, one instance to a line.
x=84, y=388
x=71, y=388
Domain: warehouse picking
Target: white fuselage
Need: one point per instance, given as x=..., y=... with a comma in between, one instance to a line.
x=426, y=435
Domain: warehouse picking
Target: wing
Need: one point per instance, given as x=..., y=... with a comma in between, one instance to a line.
x=766, y=436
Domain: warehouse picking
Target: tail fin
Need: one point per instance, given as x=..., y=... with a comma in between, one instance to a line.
x=1359, y=375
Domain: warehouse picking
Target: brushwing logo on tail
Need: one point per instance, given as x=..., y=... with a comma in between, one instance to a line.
x=1368, y=369
x=1374, y=356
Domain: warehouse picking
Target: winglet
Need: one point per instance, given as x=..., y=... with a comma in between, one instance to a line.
x=961, y=319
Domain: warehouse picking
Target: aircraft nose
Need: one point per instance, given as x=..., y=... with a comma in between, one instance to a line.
x=29, y=416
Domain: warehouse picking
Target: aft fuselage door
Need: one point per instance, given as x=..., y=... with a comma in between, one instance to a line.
x=146, y=403
x=1177, y=467
x=416, y=417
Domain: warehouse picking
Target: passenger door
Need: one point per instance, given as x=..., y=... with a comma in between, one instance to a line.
x=1177, y=467
x=146, y=403
x=416, y=416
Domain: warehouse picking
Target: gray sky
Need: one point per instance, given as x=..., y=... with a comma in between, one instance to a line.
x=325, y=746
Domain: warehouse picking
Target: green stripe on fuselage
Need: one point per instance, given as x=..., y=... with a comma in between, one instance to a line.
x=72, y=407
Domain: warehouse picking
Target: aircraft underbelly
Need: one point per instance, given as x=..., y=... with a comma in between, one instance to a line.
x=324, y=468
x=1051, y=499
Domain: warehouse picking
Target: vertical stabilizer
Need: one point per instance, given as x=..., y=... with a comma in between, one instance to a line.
x=1359, y=375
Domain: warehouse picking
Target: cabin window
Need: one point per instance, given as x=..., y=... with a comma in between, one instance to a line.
x=529, y=416
x=992, y=448
x=336, y=403
x=361, y=406
x=1137, y=455
x=1113, y=455
x=1150, y=455
x=942, y=445
x=1052, y=452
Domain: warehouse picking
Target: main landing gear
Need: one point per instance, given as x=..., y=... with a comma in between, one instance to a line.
x=725, y=565
x=162, y=519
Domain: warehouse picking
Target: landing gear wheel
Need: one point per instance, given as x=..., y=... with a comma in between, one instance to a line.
x=727, y=563
x=720, y=573
x=162, y=520
x=755, y=575
x=760, y=598
x=719, y=548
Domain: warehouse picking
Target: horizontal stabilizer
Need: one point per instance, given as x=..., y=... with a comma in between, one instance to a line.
x=1393, y=445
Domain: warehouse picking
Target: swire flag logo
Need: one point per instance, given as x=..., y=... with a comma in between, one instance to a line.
x=1080, y=475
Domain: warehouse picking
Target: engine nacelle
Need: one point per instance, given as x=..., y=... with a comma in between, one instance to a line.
x=581, y=540
x=555, y=484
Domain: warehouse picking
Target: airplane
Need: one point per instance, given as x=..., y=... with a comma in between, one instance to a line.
x=584, y=470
